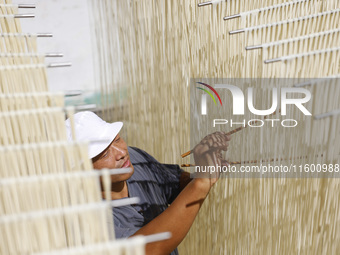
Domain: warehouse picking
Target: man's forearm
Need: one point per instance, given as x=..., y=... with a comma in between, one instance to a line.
x=176, y=219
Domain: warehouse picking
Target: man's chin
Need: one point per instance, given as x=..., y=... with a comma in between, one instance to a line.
x=128, y=175
x=122, y=177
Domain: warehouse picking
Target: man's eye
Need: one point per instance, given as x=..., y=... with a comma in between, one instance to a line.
x=105, y=155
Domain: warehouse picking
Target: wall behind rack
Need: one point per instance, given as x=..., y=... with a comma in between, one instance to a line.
x=69, y=23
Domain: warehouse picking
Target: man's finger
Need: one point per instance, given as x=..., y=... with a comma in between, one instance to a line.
x=224, y=162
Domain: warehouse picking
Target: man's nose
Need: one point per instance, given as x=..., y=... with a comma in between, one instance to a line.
x=118, y=152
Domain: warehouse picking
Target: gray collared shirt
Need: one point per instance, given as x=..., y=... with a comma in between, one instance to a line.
x=156, y=184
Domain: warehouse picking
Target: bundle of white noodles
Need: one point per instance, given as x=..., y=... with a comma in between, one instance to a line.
x=147, y=52
x=50, y=197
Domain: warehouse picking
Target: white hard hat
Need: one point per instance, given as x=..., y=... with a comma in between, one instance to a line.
x=90, y=128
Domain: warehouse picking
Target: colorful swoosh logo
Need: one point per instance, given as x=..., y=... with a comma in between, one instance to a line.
x=207, y=91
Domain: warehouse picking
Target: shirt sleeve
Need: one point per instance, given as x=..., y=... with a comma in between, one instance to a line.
x=166, y=175
x=126, y=221
x=121, y=232
x=171, y=175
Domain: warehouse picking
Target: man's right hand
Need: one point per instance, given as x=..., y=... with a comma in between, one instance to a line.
x=209, y=153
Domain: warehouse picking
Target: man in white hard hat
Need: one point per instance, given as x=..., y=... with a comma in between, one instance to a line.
x=157, y=185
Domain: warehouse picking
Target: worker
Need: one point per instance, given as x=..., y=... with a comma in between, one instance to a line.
x=157, y=185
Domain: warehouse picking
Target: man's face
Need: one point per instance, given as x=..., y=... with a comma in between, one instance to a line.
x=116, y=155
